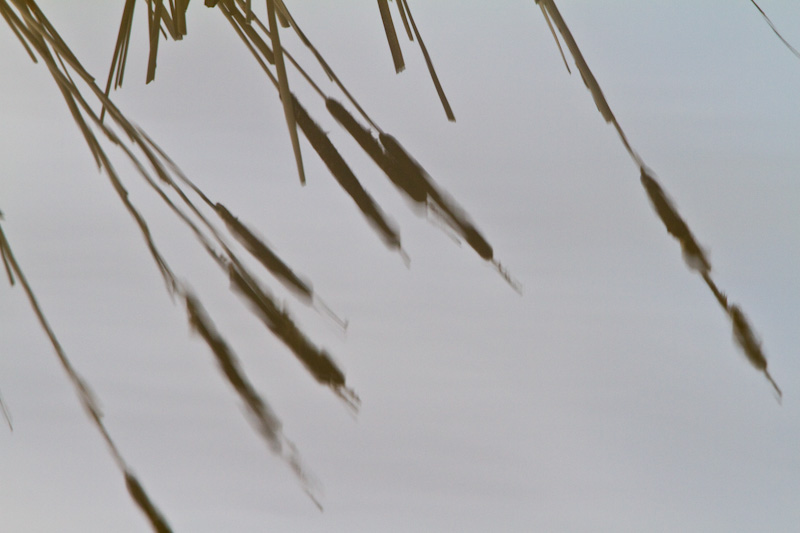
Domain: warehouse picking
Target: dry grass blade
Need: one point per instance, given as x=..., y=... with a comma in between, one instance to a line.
x=178, y=9
x=774, y=29
x=7, y=15
x=555, y=37
x=692, y=252
x=448, y=111
x=391, y=36
x=262, y=416
x=316, y=361
x=117, y=70
x=283, y=86
x=321, y=60
x=37, y=30
x=143, y=501
x=338, y=167
x=586, y=73
x=242, y=26
x=154, y=27
x=403, y=16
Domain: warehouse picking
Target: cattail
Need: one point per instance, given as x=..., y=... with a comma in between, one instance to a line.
x=692, y=253
x=342, y=173
x=138, y=494
x=403, y=177
x=317, y=362
x=267, y=257
x=750, y=345
x=409, y=176
x=262, y=416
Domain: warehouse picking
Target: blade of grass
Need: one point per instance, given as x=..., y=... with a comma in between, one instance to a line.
x=120, y=56
x=283, y=83
x=7, y=15
x=391, y=36
x=448, y=111
x=555, y=37
x=588, y=78
x=774, y=29
x=403, y=16
x=154, y=26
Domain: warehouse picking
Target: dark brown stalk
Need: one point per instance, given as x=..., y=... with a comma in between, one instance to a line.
x=403, y=16
x=692, y=252
x=342, y=173
x=7, y=14
x=120, y=56
x=316, y=361
x=588, y=78
x=267, y=257
x=447, y=110
x=402, y=178
x=261, y=414
x=145, y=504
x=178, y=8
x=154, y=27
x=774, y=29
x=86, y=398
x=283, y=87
x=391, y=36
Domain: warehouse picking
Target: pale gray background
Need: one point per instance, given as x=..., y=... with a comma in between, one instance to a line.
x=610, y=397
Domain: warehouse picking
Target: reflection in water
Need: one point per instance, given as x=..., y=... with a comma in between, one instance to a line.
x=86, y=397
x=338, y=167
x=692, y=252
x=261, y=415
x=415, y=183
x=267, y=257
x=774, y=29
x=143, y=501
x=316, y=361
